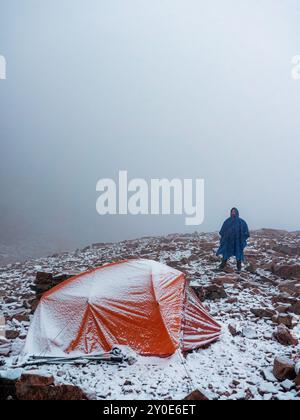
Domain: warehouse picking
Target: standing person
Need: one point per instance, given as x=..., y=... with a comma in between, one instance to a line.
x=234, y=235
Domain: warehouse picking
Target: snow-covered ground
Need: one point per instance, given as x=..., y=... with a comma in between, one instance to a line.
x=231, y=368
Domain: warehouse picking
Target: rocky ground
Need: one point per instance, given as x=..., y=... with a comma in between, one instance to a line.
x=257, y=356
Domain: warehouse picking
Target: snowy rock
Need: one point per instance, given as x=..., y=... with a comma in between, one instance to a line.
x=287, y=385
x=285, y=337
x=196, y=396
x=268, y=388
x=233, y=330
x=263, y=313
x=5, y=347
x=295, y=309
x=215, y=292
x=285, y=319
x=268, y=375
x=249, y=333
x=284, y=368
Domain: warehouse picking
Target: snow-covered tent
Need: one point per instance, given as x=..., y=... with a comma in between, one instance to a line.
x=142, y=304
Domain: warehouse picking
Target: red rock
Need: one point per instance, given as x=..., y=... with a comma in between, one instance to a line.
x=220, y=281
x=11, y=334
x=34, y=385
x=196, y=396
x=37, y=378
x=232, y=329
x=295, y=309
x=284, y=368
x=285, y=319
x=285, y=337
x=263, y=312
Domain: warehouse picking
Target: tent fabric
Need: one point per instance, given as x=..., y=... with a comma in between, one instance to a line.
x=137, y=303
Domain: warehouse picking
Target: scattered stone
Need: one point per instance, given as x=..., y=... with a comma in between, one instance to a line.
x=285, y=319
x=268, y=375
x=35, y=385
x=263, y=313
x=285, y=337
x=284, y=368
x=12, y=334
x=214, y=292
x=196, y=396
x=233, y=330
x=249, y=333
x=5, y=346
x=295, y=309
x=287, y=385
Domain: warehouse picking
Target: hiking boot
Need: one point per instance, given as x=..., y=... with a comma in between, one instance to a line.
x=222, y=265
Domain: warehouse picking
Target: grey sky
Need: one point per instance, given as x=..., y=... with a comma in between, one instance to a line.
x=162, y=88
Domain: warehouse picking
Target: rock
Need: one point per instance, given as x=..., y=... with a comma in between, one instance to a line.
x=221, y=281
x=5, y=346
x=263, y=313
x=284, y=298
x=12, y=334
x=284, y=319
x=287, y=385
x=233, y=330
x=284, y=368
x=8, y=380
x=22, y=317
x=287, y=271
x=232, y=301
x=36, y=385
x=43, y=278
x=214, y=292
x=268, y=388
x=249, y=333
x=285, y=337
x=290, y=287
x=196, y=396
x=297, y=369
x=37, y=378
x=295, y=309
x=268, y=375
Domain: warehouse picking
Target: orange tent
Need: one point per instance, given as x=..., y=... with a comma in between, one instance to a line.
x=138, y=303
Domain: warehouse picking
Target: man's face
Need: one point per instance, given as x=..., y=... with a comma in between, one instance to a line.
x=233, y=213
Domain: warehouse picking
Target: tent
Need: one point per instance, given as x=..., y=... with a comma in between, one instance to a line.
x=142, y=304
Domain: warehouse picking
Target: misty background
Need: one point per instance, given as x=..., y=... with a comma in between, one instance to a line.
x=161, y=88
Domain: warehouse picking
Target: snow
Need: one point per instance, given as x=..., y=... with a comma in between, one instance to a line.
x=232, y=368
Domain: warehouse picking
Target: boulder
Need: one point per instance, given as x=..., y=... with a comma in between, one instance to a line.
x=196, y=396
x=284, y=368
x=295, y=309
x=8, y=380
x=263, y=312
x=214, y=292
x=287, y=271
x=285, y=337
x=249, y=333
x=233, y=330
x=36, y=385
x=5, y=346
x=284, y=319
x=12, y=334
x=222, y=280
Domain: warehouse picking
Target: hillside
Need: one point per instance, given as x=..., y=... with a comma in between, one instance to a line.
x=250, y=307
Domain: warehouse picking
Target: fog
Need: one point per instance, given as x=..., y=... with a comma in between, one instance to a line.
x=160, y=88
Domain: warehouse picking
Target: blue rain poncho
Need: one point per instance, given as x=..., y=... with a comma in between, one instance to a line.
x=234, y=235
